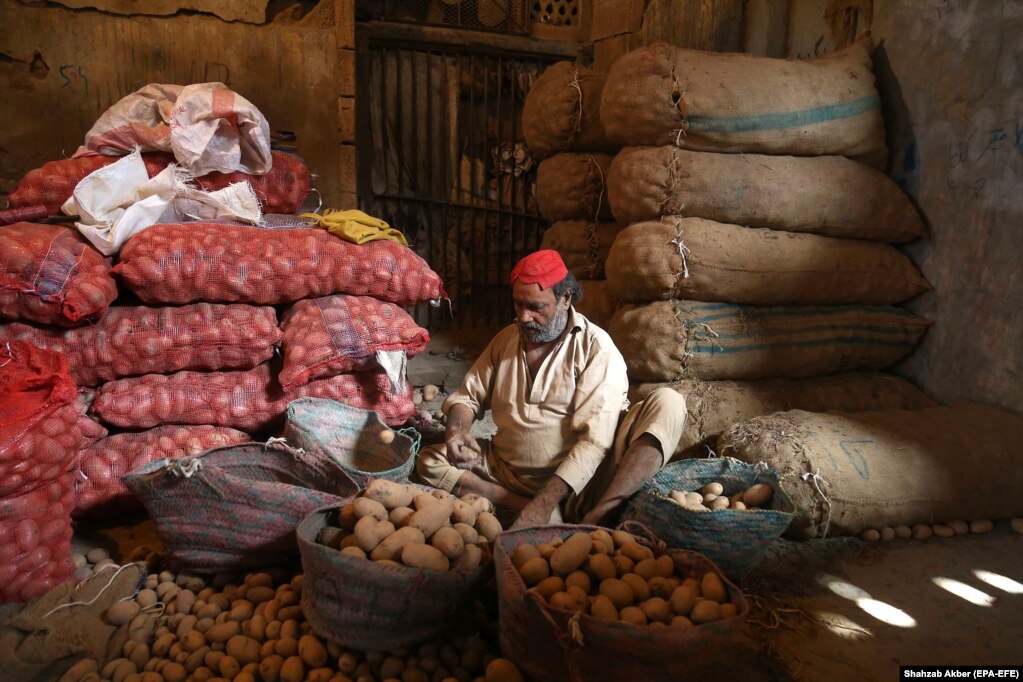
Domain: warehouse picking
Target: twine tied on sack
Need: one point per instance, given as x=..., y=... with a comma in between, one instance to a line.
x=674, y=180
x=683, y=128
x=186, y=467
x=282, y=441
x=98, y=594
x=679, y=243
x=578, y=88
x=594, y=248
x=816, y=479
x=9, y=354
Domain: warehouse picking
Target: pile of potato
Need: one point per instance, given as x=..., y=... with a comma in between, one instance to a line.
x=611, y=576
x=711, y=497
x=924, y=531
x=402, y=525
x=176, y=628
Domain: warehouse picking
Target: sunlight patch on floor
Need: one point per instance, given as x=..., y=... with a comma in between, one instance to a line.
x=999, y=581
x=887, y=613
x=961, y=589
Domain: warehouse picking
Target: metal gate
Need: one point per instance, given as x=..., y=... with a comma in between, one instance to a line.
x=441, y=157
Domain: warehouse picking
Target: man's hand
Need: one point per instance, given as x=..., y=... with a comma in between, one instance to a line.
x=538, y=511
x=463, y=450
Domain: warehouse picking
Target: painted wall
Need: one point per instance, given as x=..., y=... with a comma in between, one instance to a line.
x=60, y=68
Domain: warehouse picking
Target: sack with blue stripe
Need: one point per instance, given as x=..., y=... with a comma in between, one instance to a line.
x=827, y=195
x=710, y=101
x=671, y=340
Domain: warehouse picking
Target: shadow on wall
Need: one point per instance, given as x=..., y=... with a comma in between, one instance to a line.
x=903, y=154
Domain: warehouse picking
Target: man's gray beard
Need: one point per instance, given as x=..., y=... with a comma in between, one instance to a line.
x=534, y=333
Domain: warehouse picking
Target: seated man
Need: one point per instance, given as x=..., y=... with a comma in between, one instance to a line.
x=557, y=387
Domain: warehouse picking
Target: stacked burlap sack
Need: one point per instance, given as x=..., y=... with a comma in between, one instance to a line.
x=756, y=269
x=561, y=124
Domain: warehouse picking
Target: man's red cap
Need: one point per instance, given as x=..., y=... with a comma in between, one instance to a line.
x=544, y=267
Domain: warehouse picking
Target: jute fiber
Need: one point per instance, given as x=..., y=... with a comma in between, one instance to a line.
x=715, y=406
x=829, y=195
x=562, y=112
x=597, y=304
x=850, y=472
x=573, y=187
x=583, y=245
x=711, y=101
x=702, y=260
x=671, y=340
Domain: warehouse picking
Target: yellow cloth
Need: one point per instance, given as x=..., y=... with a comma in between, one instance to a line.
x=355, y=226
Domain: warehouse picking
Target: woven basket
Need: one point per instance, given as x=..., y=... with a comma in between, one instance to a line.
x=364, y=605
x=351, y=437
x=554, y=645
x=735, y=540
x=236, y=507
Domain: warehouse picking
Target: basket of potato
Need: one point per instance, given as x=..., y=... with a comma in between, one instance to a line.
x=721, y=507
x=387, y=568
x=586, y=603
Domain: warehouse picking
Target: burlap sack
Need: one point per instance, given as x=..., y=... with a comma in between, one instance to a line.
x=671, y=340
x=583, y=245
x=710, y=101
x=702, y=260
x=42, y=640
x=597, y=305
x=829, y=195
x=573, y=187
x=850, y=472
x=562, y=112
x=715, y=406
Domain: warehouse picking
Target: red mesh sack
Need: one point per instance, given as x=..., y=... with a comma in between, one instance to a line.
x=35, y=540
x=328, y=336
x=51, y=274
x=98, y=488
x=130, y=341
x=204, y=261
x=282, y=190
x=252, y=401
x=52, y=184
x=40, y=430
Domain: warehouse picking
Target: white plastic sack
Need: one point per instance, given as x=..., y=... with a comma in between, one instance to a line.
x=207, y=126
x=117, y=201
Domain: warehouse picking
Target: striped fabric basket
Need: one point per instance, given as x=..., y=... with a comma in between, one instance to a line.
x=353, y=438
x=362, y=604
x=734, y=539
x=236, y=507
x=554, y=645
